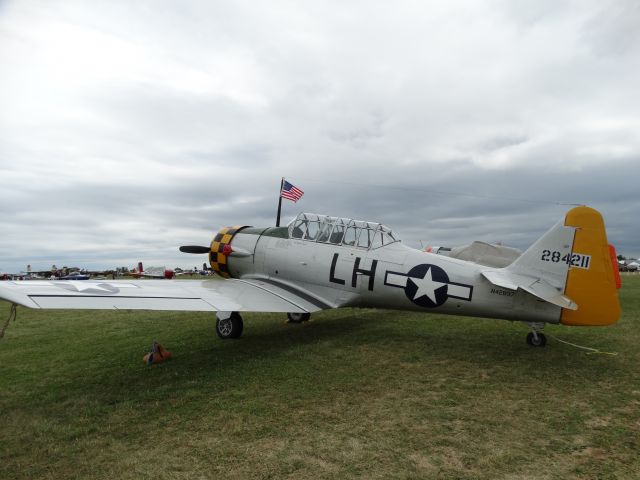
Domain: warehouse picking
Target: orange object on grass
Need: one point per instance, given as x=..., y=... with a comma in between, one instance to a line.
x=158, y=354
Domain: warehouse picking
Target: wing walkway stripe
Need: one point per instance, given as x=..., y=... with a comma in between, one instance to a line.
x=322, y=304
x=273, y=293
x=304, y=296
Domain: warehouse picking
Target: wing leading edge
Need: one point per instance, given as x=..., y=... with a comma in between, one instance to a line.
x=180, y=295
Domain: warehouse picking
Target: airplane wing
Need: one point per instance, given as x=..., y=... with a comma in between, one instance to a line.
x=182, y=295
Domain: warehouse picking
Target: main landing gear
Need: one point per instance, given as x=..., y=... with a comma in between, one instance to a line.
x=535, y=338
x=229, y=325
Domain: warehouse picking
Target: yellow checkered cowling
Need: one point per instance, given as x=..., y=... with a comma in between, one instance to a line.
x=217, y=259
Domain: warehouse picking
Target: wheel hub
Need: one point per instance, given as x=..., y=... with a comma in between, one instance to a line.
x=225, y=327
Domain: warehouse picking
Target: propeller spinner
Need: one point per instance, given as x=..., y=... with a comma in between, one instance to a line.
x=220, y=250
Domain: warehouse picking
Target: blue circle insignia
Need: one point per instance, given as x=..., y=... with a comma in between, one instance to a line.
x=427, y=285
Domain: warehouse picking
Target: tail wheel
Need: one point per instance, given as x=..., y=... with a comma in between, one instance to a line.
x=536, y=339
x=298, y=317
x=230, y=327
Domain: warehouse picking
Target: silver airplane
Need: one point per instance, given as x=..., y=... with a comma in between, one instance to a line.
x=318, y=262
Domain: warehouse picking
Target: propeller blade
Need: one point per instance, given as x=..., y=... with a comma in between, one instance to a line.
x=194, y=249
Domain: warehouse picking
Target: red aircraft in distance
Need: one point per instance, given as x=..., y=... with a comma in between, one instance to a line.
x=152, y=272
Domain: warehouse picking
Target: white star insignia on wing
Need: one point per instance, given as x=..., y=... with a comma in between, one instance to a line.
x=82, y=285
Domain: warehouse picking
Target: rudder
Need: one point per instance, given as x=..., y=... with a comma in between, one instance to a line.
x=591, y=281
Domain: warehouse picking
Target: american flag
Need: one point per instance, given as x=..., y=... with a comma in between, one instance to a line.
x=291, y=192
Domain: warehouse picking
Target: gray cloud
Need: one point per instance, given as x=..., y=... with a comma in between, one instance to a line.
x=129, y=129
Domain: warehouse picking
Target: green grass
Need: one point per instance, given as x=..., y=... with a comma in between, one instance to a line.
x=351, y=394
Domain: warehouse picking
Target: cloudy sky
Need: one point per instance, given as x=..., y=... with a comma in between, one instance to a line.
x=129, y=128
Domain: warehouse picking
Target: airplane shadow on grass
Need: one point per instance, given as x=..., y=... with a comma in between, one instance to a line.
x=267, y=347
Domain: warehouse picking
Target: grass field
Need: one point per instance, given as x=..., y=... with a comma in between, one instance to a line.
x=351, y=394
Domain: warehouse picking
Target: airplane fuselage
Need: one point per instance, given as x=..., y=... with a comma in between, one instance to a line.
x=392, y=276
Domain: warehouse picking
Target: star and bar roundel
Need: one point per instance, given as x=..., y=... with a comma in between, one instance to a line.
x=428, y=285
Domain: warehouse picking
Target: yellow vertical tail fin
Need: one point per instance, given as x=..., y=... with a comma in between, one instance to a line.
x=592, y=280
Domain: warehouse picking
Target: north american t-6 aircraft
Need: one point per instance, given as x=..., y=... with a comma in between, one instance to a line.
x=318, y=262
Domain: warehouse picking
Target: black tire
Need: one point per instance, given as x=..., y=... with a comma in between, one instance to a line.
x=298, y=317
x=540, y=342
x=231, y=327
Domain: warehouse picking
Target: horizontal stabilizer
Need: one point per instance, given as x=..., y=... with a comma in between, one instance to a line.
x=532, y=285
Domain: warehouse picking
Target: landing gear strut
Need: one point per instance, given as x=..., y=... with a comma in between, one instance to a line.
x=298, y=317
x=535, y=338
x=229, y=325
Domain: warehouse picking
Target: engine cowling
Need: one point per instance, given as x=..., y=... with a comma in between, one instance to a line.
x=221, y=249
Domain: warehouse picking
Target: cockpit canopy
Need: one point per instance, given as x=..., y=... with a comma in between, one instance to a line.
x=340, y=231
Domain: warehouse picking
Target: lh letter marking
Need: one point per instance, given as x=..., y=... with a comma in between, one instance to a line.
x=332, y=273
x=356, y=271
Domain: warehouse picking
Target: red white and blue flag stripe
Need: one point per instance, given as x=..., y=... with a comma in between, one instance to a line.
x=291, y=192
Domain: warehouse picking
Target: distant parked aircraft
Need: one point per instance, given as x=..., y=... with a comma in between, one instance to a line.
x=152, y=272
x=75, y=276
x=482, y=253
x=633, y=266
